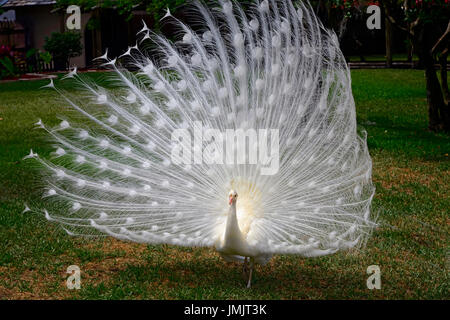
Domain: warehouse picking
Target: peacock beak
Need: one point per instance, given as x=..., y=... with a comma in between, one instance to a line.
x=230, y=201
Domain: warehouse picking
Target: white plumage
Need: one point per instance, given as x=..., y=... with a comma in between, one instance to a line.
x=274, y=67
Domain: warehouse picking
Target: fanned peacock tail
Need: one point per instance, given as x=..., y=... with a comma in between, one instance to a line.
x=273, y=67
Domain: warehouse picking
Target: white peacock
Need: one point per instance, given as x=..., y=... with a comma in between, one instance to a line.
x=275, y=67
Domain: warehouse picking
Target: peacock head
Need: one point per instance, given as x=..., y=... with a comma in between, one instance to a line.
x=232, y=196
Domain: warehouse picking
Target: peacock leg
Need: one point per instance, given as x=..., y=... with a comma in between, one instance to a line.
x=245, y=269
x=251, y=272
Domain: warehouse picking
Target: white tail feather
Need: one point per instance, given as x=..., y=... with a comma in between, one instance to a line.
x=274, y=67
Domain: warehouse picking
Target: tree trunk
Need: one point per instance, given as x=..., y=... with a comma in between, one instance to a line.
x=388, y=34
x=438, y=115
x=434, y=98
x=444, y=83
x=342, y=29
x=410, y=48
x=442, y=47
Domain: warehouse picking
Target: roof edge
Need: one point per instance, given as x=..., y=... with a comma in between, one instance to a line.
x=27, y=3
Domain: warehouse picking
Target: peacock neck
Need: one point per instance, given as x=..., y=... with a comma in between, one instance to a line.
x=232, y=229
x=233, y=241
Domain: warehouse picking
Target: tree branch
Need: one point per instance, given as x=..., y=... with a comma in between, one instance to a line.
x=442, y=43
x=386, y=5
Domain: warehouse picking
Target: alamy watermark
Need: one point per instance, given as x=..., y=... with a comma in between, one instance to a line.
x=374, y=280
x=73, y=22
x=374, y=21
x=233, y=146
x=74, y=280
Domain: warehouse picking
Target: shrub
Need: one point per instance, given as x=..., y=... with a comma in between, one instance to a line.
x=63, y=46
x=7, y=65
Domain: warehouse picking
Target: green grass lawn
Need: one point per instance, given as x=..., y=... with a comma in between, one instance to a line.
x=380, y=58
x=396, y=57
x=411, y=245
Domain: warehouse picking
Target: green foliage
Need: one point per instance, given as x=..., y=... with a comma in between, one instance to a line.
x=93, y=24
x=156, y=8
x=425, y=11
x=30, y=53
x=45, y=56
x=8, y=68
x=429, y=11
x=64, y=46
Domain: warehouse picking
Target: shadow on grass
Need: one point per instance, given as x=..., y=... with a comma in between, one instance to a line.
x=285, y=277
